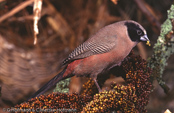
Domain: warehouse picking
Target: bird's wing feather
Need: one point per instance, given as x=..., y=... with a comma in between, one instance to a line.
x=92, y=47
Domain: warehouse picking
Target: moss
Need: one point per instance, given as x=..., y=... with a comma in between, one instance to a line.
x=163, y=49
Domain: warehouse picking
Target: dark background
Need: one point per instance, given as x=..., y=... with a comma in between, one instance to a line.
x=65, y=24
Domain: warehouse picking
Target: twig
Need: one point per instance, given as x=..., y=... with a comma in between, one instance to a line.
x=114, y=1
x=58, y=23
x=142, y=6
x=16, y=9
x=2, y=0
x=22, y=18
x=37, y=14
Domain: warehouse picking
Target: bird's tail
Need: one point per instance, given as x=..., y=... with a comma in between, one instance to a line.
x=49, y=84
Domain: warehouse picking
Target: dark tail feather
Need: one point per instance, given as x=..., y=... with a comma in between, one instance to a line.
x=49, y=84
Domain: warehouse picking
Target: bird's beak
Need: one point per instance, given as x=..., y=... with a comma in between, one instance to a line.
x=144, y=38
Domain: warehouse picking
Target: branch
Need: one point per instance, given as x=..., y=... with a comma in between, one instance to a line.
x=163, y=49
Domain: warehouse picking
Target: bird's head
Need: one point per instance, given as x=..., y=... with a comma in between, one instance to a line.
x=136, y=32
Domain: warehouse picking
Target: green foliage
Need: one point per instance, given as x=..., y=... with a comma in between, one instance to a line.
x=62, y=86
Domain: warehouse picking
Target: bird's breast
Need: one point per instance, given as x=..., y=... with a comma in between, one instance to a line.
x=96, y=64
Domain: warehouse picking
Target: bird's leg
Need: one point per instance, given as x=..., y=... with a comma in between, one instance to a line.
x=96, y=83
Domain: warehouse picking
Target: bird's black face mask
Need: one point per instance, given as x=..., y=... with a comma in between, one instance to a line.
x=135, y=32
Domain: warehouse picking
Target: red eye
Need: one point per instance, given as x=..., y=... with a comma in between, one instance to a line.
x=139, y=32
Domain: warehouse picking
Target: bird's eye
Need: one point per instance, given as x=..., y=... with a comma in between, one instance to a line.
x=139, y=32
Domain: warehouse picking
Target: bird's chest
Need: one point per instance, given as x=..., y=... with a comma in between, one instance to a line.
x=100, y=63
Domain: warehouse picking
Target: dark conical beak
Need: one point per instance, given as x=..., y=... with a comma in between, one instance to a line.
x=144, y=38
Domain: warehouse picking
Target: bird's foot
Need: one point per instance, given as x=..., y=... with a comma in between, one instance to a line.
x=98, y=87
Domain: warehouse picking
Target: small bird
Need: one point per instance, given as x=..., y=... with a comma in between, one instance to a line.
x=101, y=52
